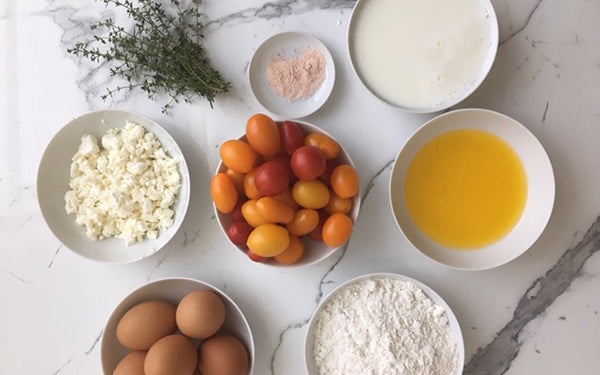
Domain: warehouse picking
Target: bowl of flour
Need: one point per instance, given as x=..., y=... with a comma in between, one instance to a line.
x=384, y=323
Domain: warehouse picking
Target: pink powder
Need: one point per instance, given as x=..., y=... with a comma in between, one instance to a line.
x=297, y=78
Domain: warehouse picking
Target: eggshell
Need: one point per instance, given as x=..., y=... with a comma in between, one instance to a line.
x=223, y=354
x=200, y=314
x=171, y=355
x=145, y=323
x=131, y=364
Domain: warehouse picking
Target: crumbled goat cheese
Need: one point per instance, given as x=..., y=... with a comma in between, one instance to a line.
x=126, y=189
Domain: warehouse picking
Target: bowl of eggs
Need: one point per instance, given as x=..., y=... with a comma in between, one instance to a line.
x=472, y=189
x=177, y=326
x=285, y=193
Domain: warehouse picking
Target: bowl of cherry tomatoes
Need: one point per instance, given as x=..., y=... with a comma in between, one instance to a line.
x=285, y=193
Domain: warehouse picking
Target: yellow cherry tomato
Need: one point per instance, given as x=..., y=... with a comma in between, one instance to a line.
x=250, y=213
x=310, y=194
x=224, y=192
x=292, y=253
x=305, y=221
x=337, y=229
x=250, y=188
x=274, y=210
x=344, y=181
x=238, y=155
x=338, y=204
x=268, y=240
x=329, y=147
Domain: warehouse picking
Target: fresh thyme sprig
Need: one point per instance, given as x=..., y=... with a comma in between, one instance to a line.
x=160, y=54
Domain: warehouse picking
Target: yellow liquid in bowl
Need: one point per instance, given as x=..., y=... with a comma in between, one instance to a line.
x=466, y=189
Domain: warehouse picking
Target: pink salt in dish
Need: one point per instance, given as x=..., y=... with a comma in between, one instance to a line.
x=302, y=74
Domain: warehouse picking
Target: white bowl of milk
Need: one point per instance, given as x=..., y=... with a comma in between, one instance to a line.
x=422, y=56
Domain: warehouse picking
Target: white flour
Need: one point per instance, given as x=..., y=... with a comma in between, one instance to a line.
x=384, y=326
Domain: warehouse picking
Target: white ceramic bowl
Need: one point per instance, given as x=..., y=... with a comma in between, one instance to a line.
x=309, y=360
x=53, y=183
x=453, y=100
x=314, y=251
x=290, y=45
x=172, y=290
x=540, y=193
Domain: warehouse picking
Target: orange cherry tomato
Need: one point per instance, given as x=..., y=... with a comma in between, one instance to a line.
x=250, y=188
x=238, y=155
x=304, y=222
x=238, y=179
x=292, y=253
x=310, y=194
x=338, y=204
x=224, y=192
x=268, y=240
x=344, y=181
x=250, y=213
x=286, y=197
x=274, y=210
x=263, y=135
x=329, y=147
x=337, y=229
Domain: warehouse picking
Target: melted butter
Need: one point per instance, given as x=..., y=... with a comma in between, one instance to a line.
x=466, y=189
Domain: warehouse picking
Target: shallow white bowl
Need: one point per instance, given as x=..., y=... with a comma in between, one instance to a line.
x=309, y=360
x=314, y=251
x=484, y=69
x=290, y=45
x=172, y=290
x=53, y=183
x=540, y=189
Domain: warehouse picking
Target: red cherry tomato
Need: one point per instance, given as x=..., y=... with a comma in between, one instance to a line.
x=329, y=167
x=308, y=163
x=272, y=178
x=238, y=233
x=317, y=233
x=292, y=136
x=285, y=161
x=255, y=257
x=263, y=135
x=236, y=214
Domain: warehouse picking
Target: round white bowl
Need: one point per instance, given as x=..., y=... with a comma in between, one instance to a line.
x=314, y=251
x=309, y=360
x=483, y=72
x=290, y=45
x=171, y=290
x=53, y=182
x=540, y=189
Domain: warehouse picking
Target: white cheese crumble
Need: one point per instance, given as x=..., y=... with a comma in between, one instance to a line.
x=126, y=189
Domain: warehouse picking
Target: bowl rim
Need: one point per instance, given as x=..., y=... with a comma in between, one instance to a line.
x=431, y=294
x=182, y=166
x=512, y=122
x=123, y=302
x=487, y=66
x=354, y=213
x=326, y=54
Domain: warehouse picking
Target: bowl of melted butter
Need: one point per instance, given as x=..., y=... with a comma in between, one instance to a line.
x=472, y=189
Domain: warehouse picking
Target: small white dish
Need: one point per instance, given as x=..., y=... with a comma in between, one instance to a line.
x=315, y=251
x=309, y=360
x=53, y=183
x=289, y=45
x=171, y=290
x=355, y=57
x=540, y=189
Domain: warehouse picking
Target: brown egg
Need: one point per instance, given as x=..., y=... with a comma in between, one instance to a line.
x=131, y=364
x=223, y=354
x=171, y=355
x=200, y=314
x=145, y=323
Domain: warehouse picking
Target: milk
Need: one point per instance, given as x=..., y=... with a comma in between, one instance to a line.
x=421, y=54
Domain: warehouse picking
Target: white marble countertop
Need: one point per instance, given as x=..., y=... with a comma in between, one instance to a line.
x=536, y=315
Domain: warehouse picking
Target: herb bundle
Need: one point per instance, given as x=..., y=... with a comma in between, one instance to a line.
x=160, y=54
